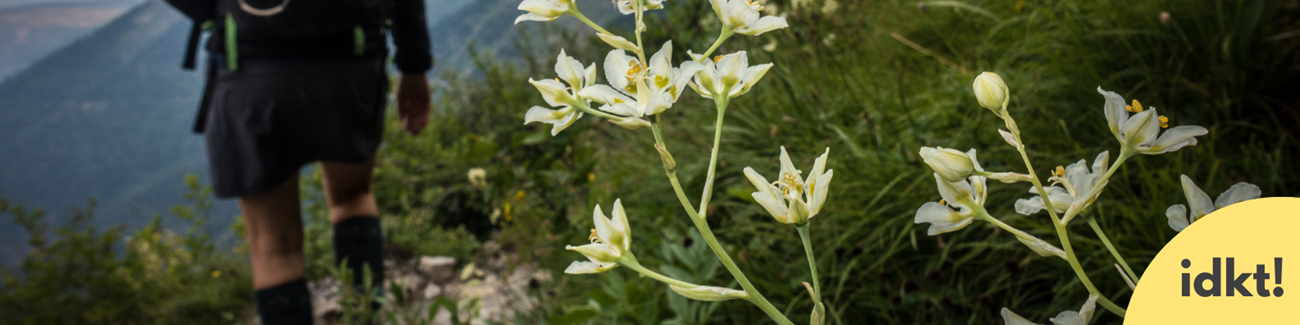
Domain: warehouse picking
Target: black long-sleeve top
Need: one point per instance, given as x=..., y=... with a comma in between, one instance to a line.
x=409, y=29
x=411, y=37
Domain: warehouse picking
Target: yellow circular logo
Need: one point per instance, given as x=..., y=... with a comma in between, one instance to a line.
x=1227, y=268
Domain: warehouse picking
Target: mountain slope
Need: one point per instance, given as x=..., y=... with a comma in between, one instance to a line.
x=106, y=117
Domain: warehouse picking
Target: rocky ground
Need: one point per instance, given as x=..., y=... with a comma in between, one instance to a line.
x=490, y=291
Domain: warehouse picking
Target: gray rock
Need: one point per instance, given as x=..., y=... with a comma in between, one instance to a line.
x=438, y=269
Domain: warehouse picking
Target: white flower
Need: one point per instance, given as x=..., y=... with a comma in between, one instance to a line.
x=1201, y=205
x=965, y=196
x=1068, y=317
x=609, y=240
x=543, y=10
x=991, y=91
x=627, y=7
x=1075, y=190
x=636, y=89
x=1140, y=130
x=792, y=199
x=477, y=177
x=558, y=95
x=742, y=17
x=950, y=164
x=727, y=75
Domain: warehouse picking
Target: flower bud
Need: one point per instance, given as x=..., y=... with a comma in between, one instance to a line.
x=709, y=293
x=618, y=42
x=1038, y=245
x=991, y=91
x=952, y=165
x=667, y=158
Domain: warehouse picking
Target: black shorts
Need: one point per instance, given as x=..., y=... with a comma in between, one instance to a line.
x=269, y=118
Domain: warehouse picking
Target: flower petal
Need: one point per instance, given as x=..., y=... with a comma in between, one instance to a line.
x=617, y=64
x=621, y=224
x=544, y=115
x=941, y=218
x=1177, y=215
x=1012, y=319
x=766, y=24
x=955, y=193
x=1174, y=139
x=774, y=205
x=605, y=95
x=1116, y=113
x=597, y=253
x=819, y=191
x=757, y=179
x=582, y=267
x=1237, y=193
x=534, y=17
x=1068, y=317
x=553, y=91
x=752, y=76
x=604, y=228
x=1198, y=203
x=1141, y=129
x=569, y=69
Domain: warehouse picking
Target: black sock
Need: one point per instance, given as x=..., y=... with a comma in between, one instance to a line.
x=285, y=304
x=361, y=241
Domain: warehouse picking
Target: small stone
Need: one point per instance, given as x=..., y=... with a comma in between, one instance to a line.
x=432, y=291
x=439, y=269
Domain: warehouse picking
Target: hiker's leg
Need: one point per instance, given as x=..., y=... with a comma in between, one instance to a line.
x=358, y=237
x=273, y=223
x=347, y=190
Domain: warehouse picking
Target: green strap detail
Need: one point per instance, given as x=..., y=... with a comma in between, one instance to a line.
x=232, y=52
x=359, y=41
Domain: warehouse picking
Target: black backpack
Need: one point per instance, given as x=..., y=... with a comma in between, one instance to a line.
x=281, y=29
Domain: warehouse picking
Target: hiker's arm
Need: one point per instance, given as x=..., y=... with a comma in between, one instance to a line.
x=411, y=37
x=413, y=59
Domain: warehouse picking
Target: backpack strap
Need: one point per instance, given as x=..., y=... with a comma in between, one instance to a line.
x=232, y=41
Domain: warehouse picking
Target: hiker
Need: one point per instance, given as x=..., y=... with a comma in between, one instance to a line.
x=291, y=83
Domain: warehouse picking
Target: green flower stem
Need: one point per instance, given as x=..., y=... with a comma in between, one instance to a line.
x=581, y=106
x=573, y=10
x=812, y=261
x=1124, y=155
x=722, y=37
x=640, y=24
x=721, y=102
x=1061, y=231
x=630, y=262
x=1102, y=235
x=703, y=226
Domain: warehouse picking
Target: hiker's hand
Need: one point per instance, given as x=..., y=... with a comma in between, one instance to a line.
x=413, y=102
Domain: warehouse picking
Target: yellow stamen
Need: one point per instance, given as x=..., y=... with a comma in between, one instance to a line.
x=943, y=202
x=593, y=238
x=1135, y=108
x=634, y=71
x=1060, y=171
x=1164, y=122
x=717, y=59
